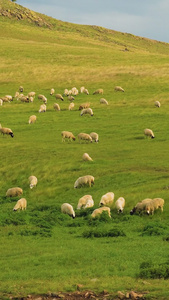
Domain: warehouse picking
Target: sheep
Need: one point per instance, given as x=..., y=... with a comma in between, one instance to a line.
x=85, y=201
x=99, y=91
x=67, y=208
x=75, y=91
x=103, y=101
x=16, y=95
x=24, y=99
x=71, y=106
x=9, y=97
x=70, y=98
x=141, y=206
x=149, y=133
x=33, y=181
x=84, y=105
x=56, y=106
x=118, y=89
x=42, y=108
x=14, y=192
x=59, y=96
x=52, y=92
x=119, y=204
x=107, y=199
x=155, y=204
x=84, y=180
x=5, y=99
x=31, y=94
x=21, y=89
x=40, y=96
x=87, y=111
x=32, y=119
x=21, y=204
x=67, y=135
x=157, y=103
x=86, y=157
x=85, y=137
x=86, y=91
x=7, y=131
x=94, y=136
x=31, y=99
x=82, y=88
x=43, y=98
x=100, y=210
x=66, y=92
x=1, y=102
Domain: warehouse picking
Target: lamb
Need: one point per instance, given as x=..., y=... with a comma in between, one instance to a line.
x=149, y=133
x=85, y=201
x=59, y=96
x=107, y=199
x=100, y=210
x=32, y=119
x=99, y=91
x=87, y=111
x=94, y=136
x=42, y=108
x=71, y=106
x=52, y=92
x=67, y=135
x=67, y=208
x=85, y=137
x=14, y=192
x=104, y=101
x=86, y=157
x=7, y=131
x=56, y=106
x=20, y=204
x=84, y=105
x=83, y=181
x=157, y=103
x=118, y=89
x=119, y=204
x=33, y=181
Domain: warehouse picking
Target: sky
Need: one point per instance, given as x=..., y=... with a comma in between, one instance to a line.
x=144, y=18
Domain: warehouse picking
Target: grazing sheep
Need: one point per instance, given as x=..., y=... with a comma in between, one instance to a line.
x=14, y=192
x=149, y=133
x=4, y=99
x=71, y=106
x=16, y=95
x=99, y=91
x=52, y=92
x=84, y=105
x=155, y=204
x=1, y=102
x=31, y=99
x=7, y=131
x=21, y=89
x=104, y=101
x=86, y=157
x=84, y=180
x=82, y=88
x=86, y=91
x=85, y=201
x=42, y=108
x=88, y=111
x=100, y=210
x=157, y=103
x=9, y=97
x=118, y=89
x=75, y=91
x=67, y=208
x=67, y=135
x=59, y=96
x=56, y=106
x=94, y=136
x=40, y=96
x=31, y=94
x=32, y=119
x=66, y=92
x=141, y=206
x=21, y=204
x=107, y=199
x=85, y=137
x=119, y=204
x=32, y=181
x=70, y=98
x=24, y=99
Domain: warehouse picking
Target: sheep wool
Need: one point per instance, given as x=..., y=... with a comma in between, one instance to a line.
x=157, y=103
x=85, y=202
x=21, y=204
x=59, y=96
x=32, y=119
x=52, y=91
x=149, y=133
x=104, y=101
x=71, y=106
x=98, y=91
x=84, y=137
x=32, y=181
x=100, y=210
x=42, y=108
x=107, y=199
x=86, y=157
x=118, y=89
x=119, y=204
x=141, y=207
x=1, y=102
x=67, y=135
x=84, y=105
x=14, y=192
x=31, y=94
x=83, y=181
x=70, y=98
x=21, y=89
x=67, y=208
x=88, y=111
x=7, y=131
x=94, y=136
x=56, y=106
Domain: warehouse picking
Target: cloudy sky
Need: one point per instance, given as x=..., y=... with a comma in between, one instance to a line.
x=145, y=18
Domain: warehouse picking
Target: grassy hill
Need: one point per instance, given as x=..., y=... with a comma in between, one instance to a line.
x=43, y=250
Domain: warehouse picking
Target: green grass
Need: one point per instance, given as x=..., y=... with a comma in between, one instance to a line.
x=41, y=249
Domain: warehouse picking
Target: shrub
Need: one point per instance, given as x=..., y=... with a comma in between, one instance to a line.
x=148, y=270
x=102, y=232
x=155, y=228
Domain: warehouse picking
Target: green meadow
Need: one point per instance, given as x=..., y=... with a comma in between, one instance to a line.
x=42, y=249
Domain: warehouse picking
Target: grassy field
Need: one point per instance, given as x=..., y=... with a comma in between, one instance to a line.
x=41, y=249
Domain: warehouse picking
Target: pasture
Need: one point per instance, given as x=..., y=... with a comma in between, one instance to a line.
x=41, y=249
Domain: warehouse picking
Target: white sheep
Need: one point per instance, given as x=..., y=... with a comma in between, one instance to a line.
x=59, y=96
x=118, y=89
x=100, y=210
x=86, y=91
x=1, y=102
x=42, y=108
x=31, y=99
x=71, y=106
x=94, y=136
x=82, y=88
x=52, y=91
x=32, y=119
x=141, y=206
x=33, y=181
x=119, y=204
x=7, y=131
x=88, y=111
x=98, y=91
x=21, y=89
x=84, y=105
x=83, y=181
x=104, y=101
x=85, y=137
x=75, y=91
x=24, y=99
x=85, y=201
x=107, y=199
x=154, y=204
x=86, y=157
x=157, y=103
x=70, y=98
x=56, y=106
x=67, y=208
x=67, y=135
x=21, y=204
x=9, y=97
x=66, y=92
x=14, y=192
x=31, y=94
x=149, y=133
